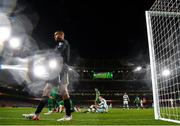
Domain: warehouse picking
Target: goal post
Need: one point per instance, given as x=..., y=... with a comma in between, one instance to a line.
x=163, y=29
x=152, y=65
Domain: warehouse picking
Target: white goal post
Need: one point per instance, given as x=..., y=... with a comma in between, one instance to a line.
x=163, y=28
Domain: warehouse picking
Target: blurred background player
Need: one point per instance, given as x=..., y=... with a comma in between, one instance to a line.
x=97, y=100
x=53, y=100
x=171, y=103
x=126, y=101
x=63, y=48
x=137, y=102
x=142, y=103
x=73, y=107
x=110, y=105
x=100, y=108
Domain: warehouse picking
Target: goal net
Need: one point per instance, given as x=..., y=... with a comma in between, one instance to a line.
x=163, y=27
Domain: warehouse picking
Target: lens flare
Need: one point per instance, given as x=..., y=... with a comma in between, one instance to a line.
x=138, y=68
x=5, y=33
x=40, y=71
x=166, y=72
x=15, y=43
x=53, y=64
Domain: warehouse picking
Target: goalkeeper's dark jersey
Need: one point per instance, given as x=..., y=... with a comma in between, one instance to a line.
x=63, y=48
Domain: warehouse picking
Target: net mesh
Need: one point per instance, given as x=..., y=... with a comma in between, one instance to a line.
x=166, y=5
x=165, y=27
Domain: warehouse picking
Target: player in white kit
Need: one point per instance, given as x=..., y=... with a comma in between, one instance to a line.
x=126, y=101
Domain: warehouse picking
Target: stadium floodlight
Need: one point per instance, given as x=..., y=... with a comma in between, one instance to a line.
x=166, y=72
x=70, y=69
x=138, y=68
x=39, y=71
x=163, y=37
x=15, y=43
x=53, y=64
x=5, y=33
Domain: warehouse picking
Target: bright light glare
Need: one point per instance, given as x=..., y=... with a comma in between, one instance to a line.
x=70, y=69
x=166, y=72
x=39, y=71
x=138, y=68
x=13, y=67
x=15, y=43
x=53, y=64
x=5, y=33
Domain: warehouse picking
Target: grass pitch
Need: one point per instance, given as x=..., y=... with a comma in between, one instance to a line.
x=13, y=116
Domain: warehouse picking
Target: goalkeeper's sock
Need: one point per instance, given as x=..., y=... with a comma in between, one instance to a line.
x=67, y=106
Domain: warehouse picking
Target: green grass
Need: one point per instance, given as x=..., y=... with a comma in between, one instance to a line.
x=13, y=116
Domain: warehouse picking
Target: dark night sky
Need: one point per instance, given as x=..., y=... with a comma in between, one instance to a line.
x=94, y=28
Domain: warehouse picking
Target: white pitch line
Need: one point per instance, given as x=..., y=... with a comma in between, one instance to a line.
x=1, y=118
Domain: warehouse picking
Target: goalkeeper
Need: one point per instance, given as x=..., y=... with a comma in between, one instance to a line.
x=62, y=48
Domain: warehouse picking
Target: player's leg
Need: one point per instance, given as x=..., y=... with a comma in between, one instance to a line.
x=137, y=105
x=127, y=104
x=142, y=106
x=106, y=108
x=42, y=103
x=54, y=105
x=172, y=106
x=39, y=108
x=89, y=109
x=66, y=98
x=50, y=106
x=67, y=106
x=61, y=108
x=124, y=104
x=101, y=109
